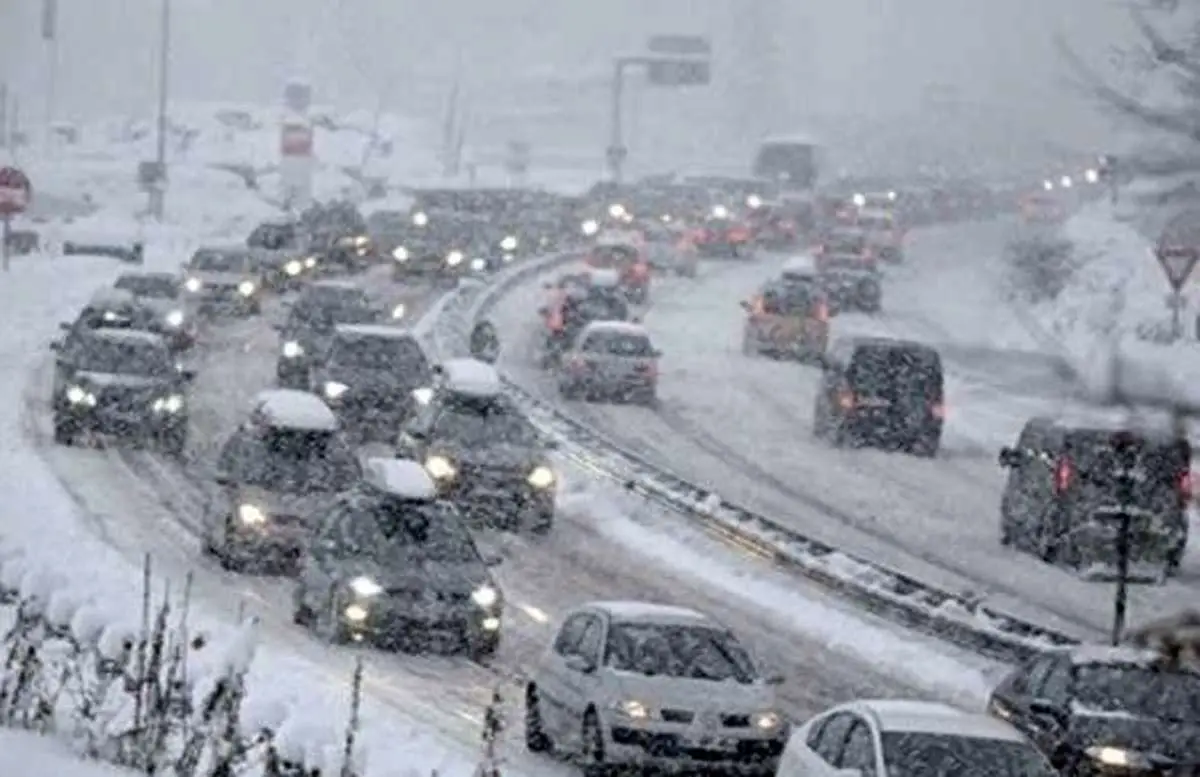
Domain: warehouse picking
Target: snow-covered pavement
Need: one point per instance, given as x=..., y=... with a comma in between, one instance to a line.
x=741, y=427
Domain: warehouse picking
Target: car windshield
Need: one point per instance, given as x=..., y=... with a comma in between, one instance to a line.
x=118, y=317
x=400, y=355
x=896, y=373
x=149, y=286
x=272, y=237
x=918, y=754
x=846, y=244
x=793, y=164
x=611, y=256
x=484, y=423
x=619, y=344
x=600, y=307
x=1145, y=691
x=794, y=300
x=124, y=357
x=326, y=315
x=388, y=222
x=293, y=461
x=684, y=651
x=399, y=531
x=220, y=262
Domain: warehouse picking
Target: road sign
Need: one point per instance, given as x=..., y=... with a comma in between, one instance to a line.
x=1178, y=247
x=296, y=140
x=15, y=191
x=678, y=72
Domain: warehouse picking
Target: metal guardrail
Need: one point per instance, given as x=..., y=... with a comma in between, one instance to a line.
x=957, y=618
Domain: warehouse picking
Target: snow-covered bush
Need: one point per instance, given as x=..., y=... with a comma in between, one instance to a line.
x=144, y=691
x=1039, y=266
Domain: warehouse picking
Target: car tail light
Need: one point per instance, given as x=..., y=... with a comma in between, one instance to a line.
x=577, y=364
x=818, y=249
x=1064, y=474
x=821, y=312
x=845, y=400
x=938, y=410
x=1185, y=486
x=649, y=368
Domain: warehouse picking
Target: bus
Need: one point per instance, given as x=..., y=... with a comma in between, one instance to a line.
x=792, y=162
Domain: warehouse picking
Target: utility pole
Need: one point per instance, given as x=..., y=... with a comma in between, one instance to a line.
x=158, y=188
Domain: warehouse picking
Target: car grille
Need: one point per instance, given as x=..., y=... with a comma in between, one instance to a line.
x=427, y=595
x=124, y=400
x=674, y=715
x=677, y=716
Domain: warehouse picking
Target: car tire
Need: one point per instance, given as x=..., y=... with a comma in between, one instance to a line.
x=568, y=391
x=1174, y=560
x=485, y=649
x=174, y=441
x=327, y=626
x=925, y=445
x=591, y=747
x=1047, y=543
x=65, y=431
x=218, y=548
x=302, y=614
x=543, y=523
x=536, y=738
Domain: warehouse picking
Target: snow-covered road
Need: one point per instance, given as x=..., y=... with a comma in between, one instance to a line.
x=741, y=426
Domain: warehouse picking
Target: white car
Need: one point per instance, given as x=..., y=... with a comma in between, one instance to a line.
x=875, y=738
x=611, y=359
x=631, y=683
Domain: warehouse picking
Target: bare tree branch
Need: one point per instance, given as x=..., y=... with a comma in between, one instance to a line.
x=1163, y=51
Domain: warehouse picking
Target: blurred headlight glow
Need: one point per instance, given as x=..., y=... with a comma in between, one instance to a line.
x=440, y=468
x=175, y=318
x=420, y=219
x=400, y=254
x=333, y=389
x=251, y=515
x=292, y=350
x=541, y=477
x=485, y=596
x=192, y=284
x=246, y=288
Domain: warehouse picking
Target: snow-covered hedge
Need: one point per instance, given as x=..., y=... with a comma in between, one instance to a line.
x=1039, y=266
x=144, y=691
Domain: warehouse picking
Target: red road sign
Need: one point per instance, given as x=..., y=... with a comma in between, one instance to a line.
x=1177, y=262
x=15, y=191
x=296, y=140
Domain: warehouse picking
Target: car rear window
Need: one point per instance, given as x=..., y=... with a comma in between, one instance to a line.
x=1157, y=460
x=619, y=344
x=795, y=300
x=896, y=372
x=612, y=256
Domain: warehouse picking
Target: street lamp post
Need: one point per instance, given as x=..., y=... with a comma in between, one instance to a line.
x=159, y=186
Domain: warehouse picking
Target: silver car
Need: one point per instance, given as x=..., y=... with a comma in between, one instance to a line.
x=224, y=280
x=611, y=359
x=639, y=684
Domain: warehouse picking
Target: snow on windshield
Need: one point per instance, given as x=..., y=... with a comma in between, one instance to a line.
x=690, y=652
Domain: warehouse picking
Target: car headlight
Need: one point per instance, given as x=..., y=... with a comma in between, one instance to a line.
x=174, y=318
x=251, y=515
x=1118, y=756
x=720, y=212
x=617, y=210
x=333, y=389
x=292, y=350
x=356, y=613
x=365, y=587
x=420, y=219
x=440, y=468
x=294, y=267
x=860, y=200
x=79, y=396
x=478, y=265
x=423, y=395
x=665, y=218
x=310, y=262
x=168, y=404
x=766, y=721
x=590, y=227
x=541, y=477
x=362, y=241
x=454, y=258
x=246, y=288
x=398, y=311
x=192, y=284
x=508, y=244
x=632, y=708
x=400, y=254
x=754, y=201
x=485, y=596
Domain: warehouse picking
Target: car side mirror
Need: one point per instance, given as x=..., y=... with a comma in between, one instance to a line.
x=56, y=346
x=744, y=305
x=493, y=560
x=223, y=480
x=581, y=664
x=64, y=326
x=187, y=375
x=1010, y=457
x=1053, y=714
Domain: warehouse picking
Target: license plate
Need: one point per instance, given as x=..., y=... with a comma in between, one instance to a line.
x=712, y=742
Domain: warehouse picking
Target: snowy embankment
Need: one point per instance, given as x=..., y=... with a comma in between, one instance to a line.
x=79, y=603
x=1110, y=320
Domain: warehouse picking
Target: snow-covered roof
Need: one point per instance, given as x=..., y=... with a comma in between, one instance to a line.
x=875, y=214
x=374, y=330
x=619, y=237
x=604, y=278
x=147, y=275
x=617, y=327
x=1109, y=654
x=471, y=377
x=111, y=298
x=400, y=477
x=932, y=717
x=799, y=267
x=334, y=284
x=650, y=612
x=790, y=139
x=291, y=409
x=127, y=335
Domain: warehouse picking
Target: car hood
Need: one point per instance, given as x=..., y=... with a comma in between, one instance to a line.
x=496, y=456
x=372, y=380
x=113, y=380
x=1173, y=740
x=412, y=573
x=161, y=307
x=696, y=695
x=277, y=503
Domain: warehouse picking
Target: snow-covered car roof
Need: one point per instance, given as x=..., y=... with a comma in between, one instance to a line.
x=1110, y=654
x=404, y=478
x=112, y=298
x=650, y=612
x=115, y=335
x=799, y=267
x=471, y=377
x=292, y=409
x=374, y=330
x=618, y=327
x=794, y=138
x=933, y=717
x=335, y=284
x=620, y=237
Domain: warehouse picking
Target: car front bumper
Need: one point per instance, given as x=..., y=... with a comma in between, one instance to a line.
x=396, y=620
x=674, y=747
x=121, y=422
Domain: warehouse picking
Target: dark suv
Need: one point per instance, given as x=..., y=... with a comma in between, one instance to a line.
x=306, y=334
x=884, y=392
x=1063, y=481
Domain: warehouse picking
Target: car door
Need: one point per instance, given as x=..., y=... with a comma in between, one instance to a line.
x=1020, y=492
x=1012, y=698
x=582, y=687
x=824, y=744
x=859, y=751
x=415, y=435
x=551, y=676
x=324, y=558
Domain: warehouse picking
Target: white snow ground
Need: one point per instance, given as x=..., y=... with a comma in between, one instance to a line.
x=741, y=426
x=29, y=755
